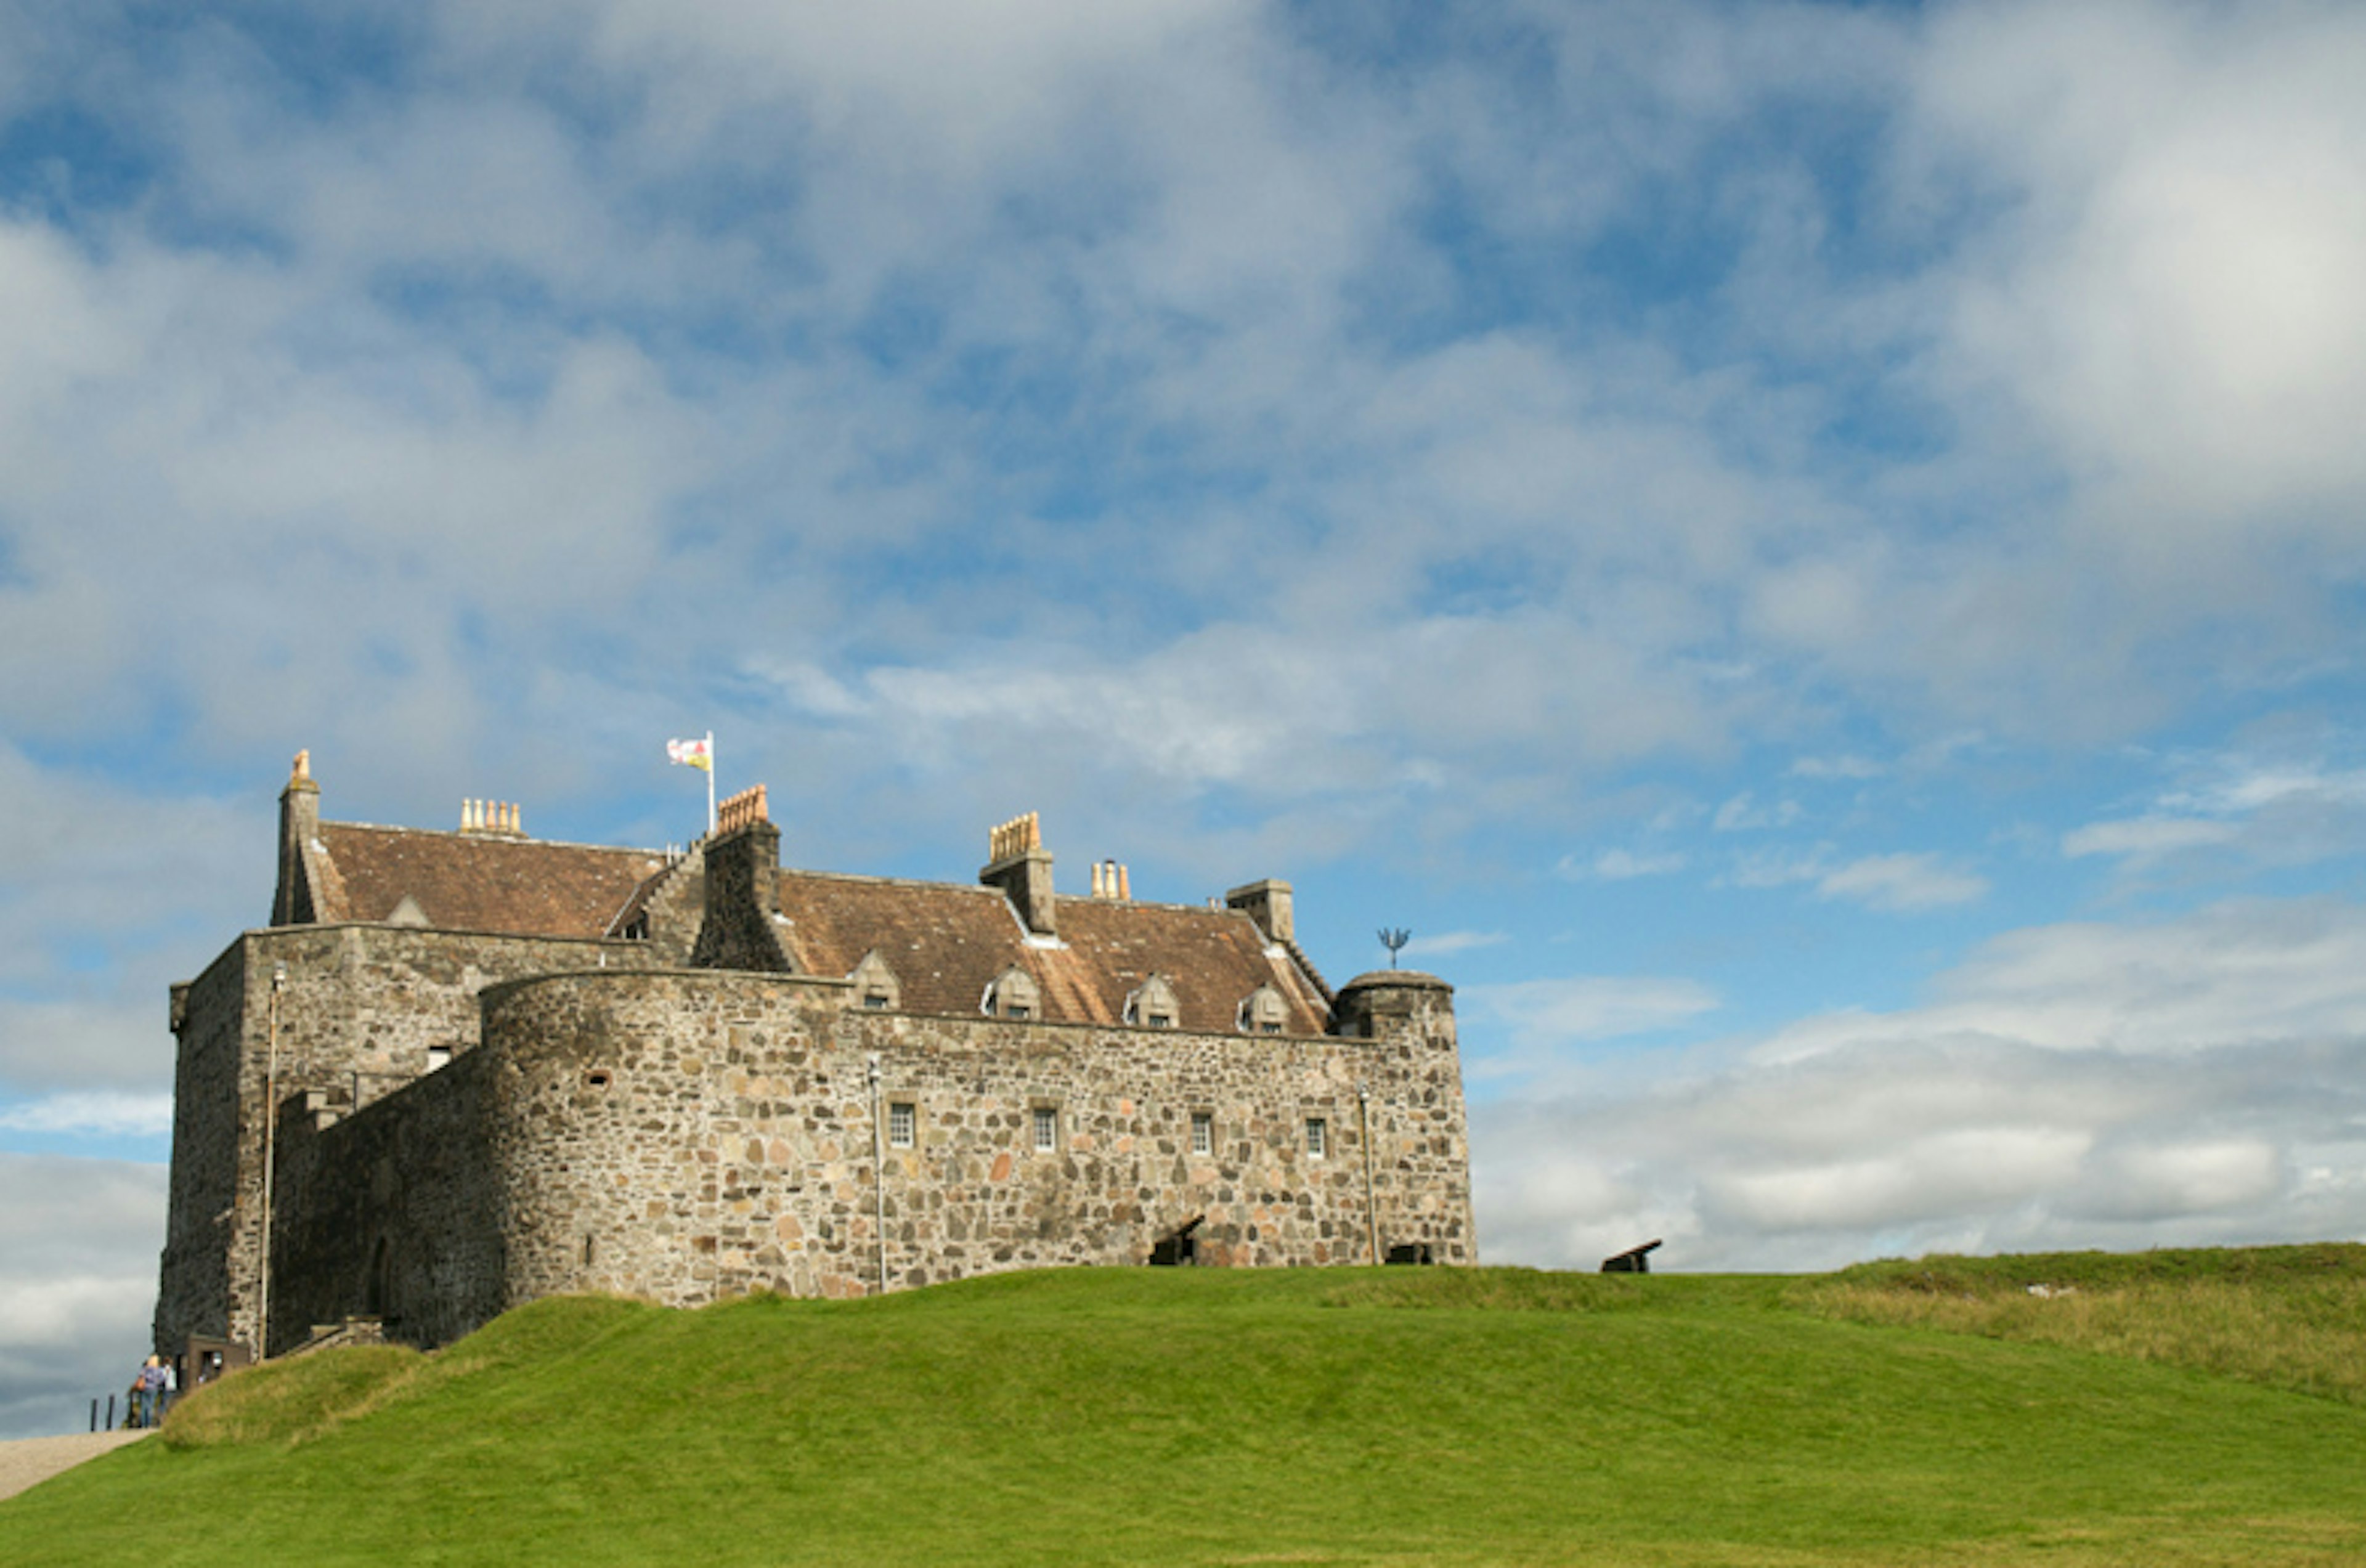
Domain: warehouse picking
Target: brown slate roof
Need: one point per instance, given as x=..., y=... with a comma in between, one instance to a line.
x=473, y=882
x=947, y=942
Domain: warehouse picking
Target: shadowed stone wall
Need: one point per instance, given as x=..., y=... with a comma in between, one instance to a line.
x=361, y=1008
x=394, y=1212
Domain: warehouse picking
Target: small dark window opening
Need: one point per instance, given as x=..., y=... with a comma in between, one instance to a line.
x=597, y=1078
x=1411, y=1252
x=1018, y=1010
x=587, y=1250
x=875, y=998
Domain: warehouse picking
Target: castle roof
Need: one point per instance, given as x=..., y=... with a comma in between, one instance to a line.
x=947, y=942
x=471, y=882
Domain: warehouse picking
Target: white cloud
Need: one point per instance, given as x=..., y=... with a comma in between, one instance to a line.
x=1449, y=942
x=2245, y=786
x=1844, y=766
x=2188, y=1081
x=106, y=1115
x=1743, y=812
x=2232, y=973
x=1622, y=865
x=1902, y=881
x=157, y=881
x=1545, y=1017
x=2177, y=302
x=2290, y=808
x=79, y=1240
x=2143, y=840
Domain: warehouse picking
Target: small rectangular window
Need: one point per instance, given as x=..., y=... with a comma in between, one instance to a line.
x=1203, y=1132
x=900, y=1122
x=1047, y=1129
x=1018, y=1010
x=1160, y=1020
x=875, y=998
x=1318, y=1136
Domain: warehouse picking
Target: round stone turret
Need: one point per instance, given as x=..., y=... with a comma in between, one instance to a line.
x=1393, y=1002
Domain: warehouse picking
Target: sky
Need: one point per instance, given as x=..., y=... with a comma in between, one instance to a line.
x=1811, y=554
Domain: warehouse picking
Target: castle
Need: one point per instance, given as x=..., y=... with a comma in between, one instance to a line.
x=463, y=1070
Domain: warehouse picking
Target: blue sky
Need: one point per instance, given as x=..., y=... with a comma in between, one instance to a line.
x=1811, y=553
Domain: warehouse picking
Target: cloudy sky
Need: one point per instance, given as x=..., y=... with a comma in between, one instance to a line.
x=1812, y=554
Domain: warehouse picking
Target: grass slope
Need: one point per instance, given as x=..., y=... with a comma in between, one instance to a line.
x=2287, y=1316
x=1397, y=1417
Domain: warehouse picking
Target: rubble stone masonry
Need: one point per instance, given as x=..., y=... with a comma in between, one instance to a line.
x=357, y=1014
x=687, y=1136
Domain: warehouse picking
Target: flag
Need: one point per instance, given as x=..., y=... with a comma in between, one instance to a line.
x=692, y=753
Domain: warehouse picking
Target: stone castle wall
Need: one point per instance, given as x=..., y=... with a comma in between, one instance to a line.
x=397, y=1211
x=211, y=1154
x=361, y=1008
x=692, y=1135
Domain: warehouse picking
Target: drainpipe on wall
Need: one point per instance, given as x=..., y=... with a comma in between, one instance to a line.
x=270, y=1139
x=1372, y=1213
x=878, y=1176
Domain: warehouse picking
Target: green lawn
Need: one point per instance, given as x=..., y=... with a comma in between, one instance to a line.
x=1336, y=1416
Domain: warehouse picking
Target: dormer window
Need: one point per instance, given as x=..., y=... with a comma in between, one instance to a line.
x=875, y=986
x=1013, y=995
x=1262, y=1011
x=1153, y=1006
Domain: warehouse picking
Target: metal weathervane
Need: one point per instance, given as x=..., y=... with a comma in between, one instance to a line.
x=1394, y=940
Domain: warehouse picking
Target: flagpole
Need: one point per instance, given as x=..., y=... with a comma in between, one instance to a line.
x=710, y=784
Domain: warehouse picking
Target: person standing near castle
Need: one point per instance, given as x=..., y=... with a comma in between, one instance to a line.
x=151, y=1385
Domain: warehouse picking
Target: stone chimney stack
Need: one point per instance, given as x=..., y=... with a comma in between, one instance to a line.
x=1018, y=863
x=1266, y=903
x=300, y=824
x=743, y=925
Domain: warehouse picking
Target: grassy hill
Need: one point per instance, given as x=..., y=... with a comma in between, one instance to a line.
x=1336, y=1416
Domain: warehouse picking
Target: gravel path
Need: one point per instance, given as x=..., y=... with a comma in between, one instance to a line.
x=29, y=1461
